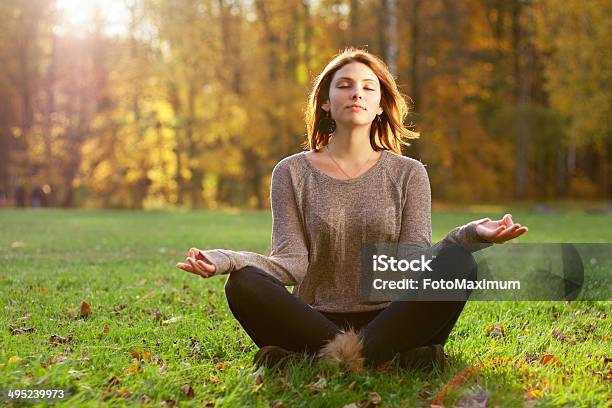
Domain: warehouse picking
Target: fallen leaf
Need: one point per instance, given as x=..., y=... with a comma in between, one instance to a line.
x=71, y=312
x=559, y=335
x=123, y=393
x=114, y=381
x=188, y=391
x=20, y=330
x=57, y=340
x=168, y=403
x=42, y=290
x=221, y=366
x=25, y=317
x=278, y=404
x=374, y=399
x=548, y=359
x=318, y=385
x=141, y=282
x=105, y=329
x=54, y=360
x=495, y=331
x=454, y=383
x=163, y=368
x=144, y=355
x=14, y=360
x=145, y=399
x=85, y=310
x=259, y=380
x=534, y=393
x=195, y=347
x=18, y=244
x=133, y=368
x=351, y=405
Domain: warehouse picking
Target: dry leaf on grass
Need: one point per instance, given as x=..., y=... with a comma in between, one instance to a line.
x=16, y=331
x=549, y=359
x=533, y=393
x=188, y=391
x=454, y=383
x=495, y=331
x=123, y=393
x=54, y=360
x=145, y=399
x=133, y=368
x=85, y=310
x=57, y=340
x=319, y=384
x=144, y=355
x=113, y=381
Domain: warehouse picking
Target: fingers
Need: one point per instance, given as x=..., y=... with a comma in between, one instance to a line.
x=509, y=233
x=205, y=269
x=196, y=254
x=507, y=220
x=192, y=267
x=186, y=267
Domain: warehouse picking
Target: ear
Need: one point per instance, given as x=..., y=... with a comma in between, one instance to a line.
x=325, y=106
x=379, y=111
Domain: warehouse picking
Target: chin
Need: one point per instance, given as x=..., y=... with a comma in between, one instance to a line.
x=356, y=123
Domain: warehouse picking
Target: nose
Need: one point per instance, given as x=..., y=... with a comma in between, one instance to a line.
x=357, y=93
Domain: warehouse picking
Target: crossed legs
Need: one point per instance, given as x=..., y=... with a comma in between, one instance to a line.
x=272, y=316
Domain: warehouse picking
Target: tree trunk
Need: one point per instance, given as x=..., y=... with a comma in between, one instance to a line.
x=415, y=84
x=391, y=53
x=523, y=91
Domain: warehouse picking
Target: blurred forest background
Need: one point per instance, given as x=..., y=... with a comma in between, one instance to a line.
x=190, y=103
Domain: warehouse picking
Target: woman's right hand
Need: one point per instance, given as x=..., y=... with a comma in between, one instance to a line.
x=197, y=264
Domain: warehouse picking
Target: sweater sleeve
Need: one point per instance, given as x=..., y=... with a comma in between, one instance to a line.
x=416, y=219
x=288, y=260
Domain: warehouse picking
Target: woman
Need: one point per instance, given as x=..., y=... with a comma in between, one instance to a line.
x=352, y=187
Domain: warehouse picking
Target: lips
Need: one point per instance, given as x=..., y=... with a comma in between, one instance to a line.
x=355, y=106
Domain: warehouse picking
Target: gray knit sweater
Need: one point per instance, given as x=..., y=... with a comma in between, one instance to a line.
x=319, y=224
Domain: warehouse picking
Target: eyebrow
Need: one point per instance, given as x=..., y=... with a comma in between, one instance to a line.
x=351, y=79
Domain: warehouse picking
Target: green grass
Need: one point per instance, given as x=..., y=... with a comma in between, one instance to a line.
x=122, y=264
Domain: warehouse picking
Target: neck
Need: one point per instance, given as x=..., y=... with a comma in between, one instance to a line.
x=351, y=144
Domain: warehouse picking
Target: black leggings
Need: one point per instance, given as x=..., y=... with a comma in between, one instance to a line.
x=271, y=315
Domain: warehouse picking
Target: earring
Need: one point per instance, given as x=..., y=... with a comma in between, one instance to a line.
x=326, y=124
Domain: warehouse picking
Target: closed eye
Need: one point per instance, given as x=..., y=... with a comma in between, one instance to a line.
x=347, y=86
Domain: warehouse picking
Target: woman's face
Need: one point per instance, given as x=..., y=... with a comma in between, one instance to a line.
x=354, y=95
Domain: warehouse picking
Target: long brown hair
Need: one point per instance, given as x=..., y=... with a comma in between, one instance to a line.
x=389, y=133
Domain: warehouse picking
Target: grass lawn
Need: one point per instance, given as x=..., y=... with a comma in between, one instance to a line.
x=156, y=334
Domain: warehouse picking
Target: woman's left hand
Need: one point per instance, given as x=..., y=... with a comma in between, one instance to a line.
x=500, y=231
